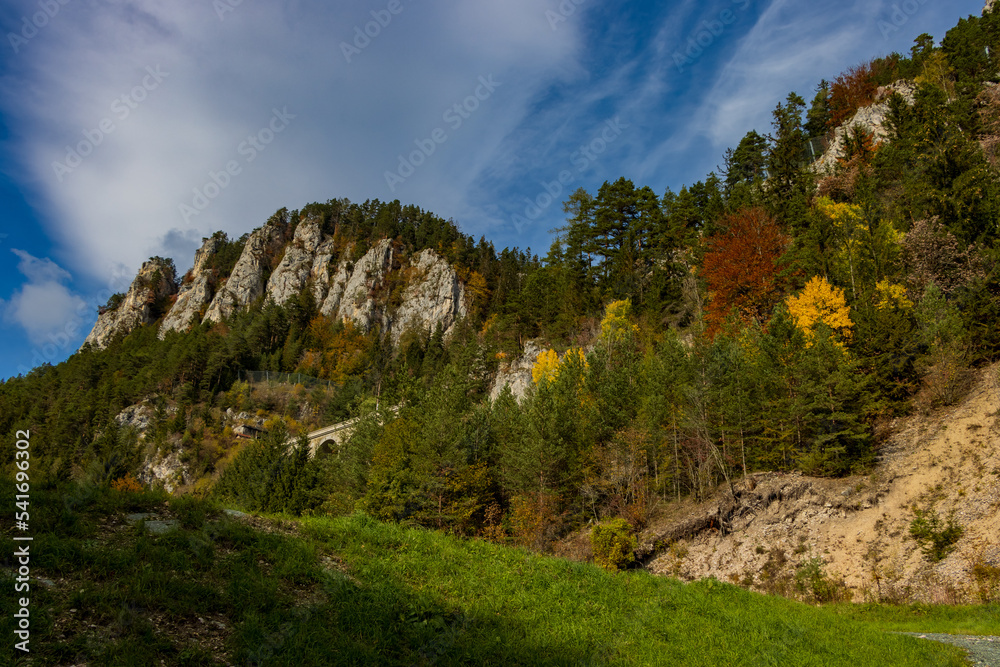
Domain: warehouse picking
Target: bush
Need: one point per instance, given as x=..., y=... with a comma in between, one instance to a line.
x=127, y=484
x=113, y=455
x=936, y=539
x=813, y=583
x=190, y=511
x=856, y=88
x=614, y=544
x=985, y=577
x=270, y=475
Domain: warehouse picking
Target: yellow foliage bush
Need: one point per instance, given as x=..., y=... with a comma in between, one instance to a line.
x=820, y=302
x=613, y=544
x=617, y=323
x=841, y=214
x=546, y=367
x=548, y=364
x=891, y=295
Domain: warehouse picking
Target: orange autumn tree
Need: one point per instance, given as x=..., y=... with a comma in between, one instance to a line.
x=741, y=267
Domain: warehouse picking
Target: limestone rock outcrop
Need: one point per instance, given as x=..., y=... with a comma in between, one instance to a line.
x=871, y=119
x=196, y=290
x=138, y=416
x=335, y=292
x=357, y=300
x=301, y=261
x=320, y=276
x=517, y=373
x=383, y=288
x=436, y=296
x=167, y=471
x=247, y=282
x=154, y=282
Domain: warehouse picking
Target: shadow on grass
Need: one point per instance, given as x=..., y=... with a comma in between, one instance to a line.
x=388, y=624
x=125, y=597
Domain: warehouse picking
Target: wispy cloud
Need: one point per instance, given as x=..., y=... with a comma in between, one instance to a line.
x=224, y=78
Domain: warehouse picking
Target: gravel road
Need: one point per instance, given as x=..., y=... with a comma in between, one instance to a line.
x=984, y=650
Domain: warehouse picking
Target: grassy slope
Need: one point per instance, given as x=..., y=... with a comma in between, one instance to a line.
x=958, y=620
x=354, y=591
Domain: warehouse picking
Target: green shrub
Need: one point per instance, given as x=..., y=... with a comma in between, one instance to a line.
x=614, y=544
x=114, y=453
x=269, y=475
x=813, y=583
x=936, y=539
x=190, y=511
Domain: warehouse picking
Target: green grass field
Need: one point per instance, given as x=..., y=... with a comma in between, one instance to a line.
x=355, y=591
x=957, y=620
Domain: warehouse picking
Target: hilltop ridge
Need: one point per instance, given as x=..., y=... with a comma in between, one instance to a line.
x=286, y=259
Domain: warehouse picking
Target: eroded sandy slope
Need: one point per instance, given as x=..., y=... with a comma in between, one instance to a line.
x=948, y=461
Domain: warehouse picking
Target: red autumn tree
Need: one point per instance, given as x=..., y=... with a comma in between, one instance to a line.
x=857, y=87
x=741, y=267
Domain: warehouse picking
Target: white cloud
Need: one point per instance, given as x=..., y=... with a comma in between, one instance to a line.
x=40, y=270
x=44, y=307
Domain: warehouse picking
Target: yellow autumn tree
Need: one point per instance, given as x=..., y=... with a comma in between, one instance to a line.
x=546, y=367
x=846, y=220
x=938, y=72
x=617, y=323
x=548, y=364
x=891, y=295
x=821, y=302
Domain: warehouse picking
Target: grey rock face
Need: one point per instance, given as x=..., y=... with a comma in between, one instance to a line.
x=296, y=266
x=246, y=284
x=335, y=289
x=166, y=471
x=517, y=374
x=357, y=302
x=436, y=296
x=193, y=295
x=320, y=276
x=138, y=416
x=432, y=293
x=154, y=281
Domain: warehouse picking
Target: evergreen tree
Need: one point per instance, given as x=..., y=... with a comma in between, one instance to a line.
x=787, y=183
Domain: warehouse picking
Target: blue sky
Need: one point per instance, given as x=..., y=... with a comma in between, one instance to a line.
x=132, y=128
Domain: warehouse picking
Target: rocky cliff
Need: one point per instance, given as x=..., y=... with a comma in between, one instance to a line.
x=306, y=259
x=871, y=119
x=516, y=374
x=381, y=287
x=196, y=290
x=435, y=296
x=249, y=278
x=154, y=283
x=353, y=296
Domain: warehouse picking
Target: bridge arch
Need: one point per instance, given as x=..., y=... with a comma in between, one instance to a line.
x=327, y=447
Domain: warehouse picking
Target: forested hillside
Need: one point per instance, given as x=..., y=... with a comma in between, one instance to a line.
x=774, y=316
